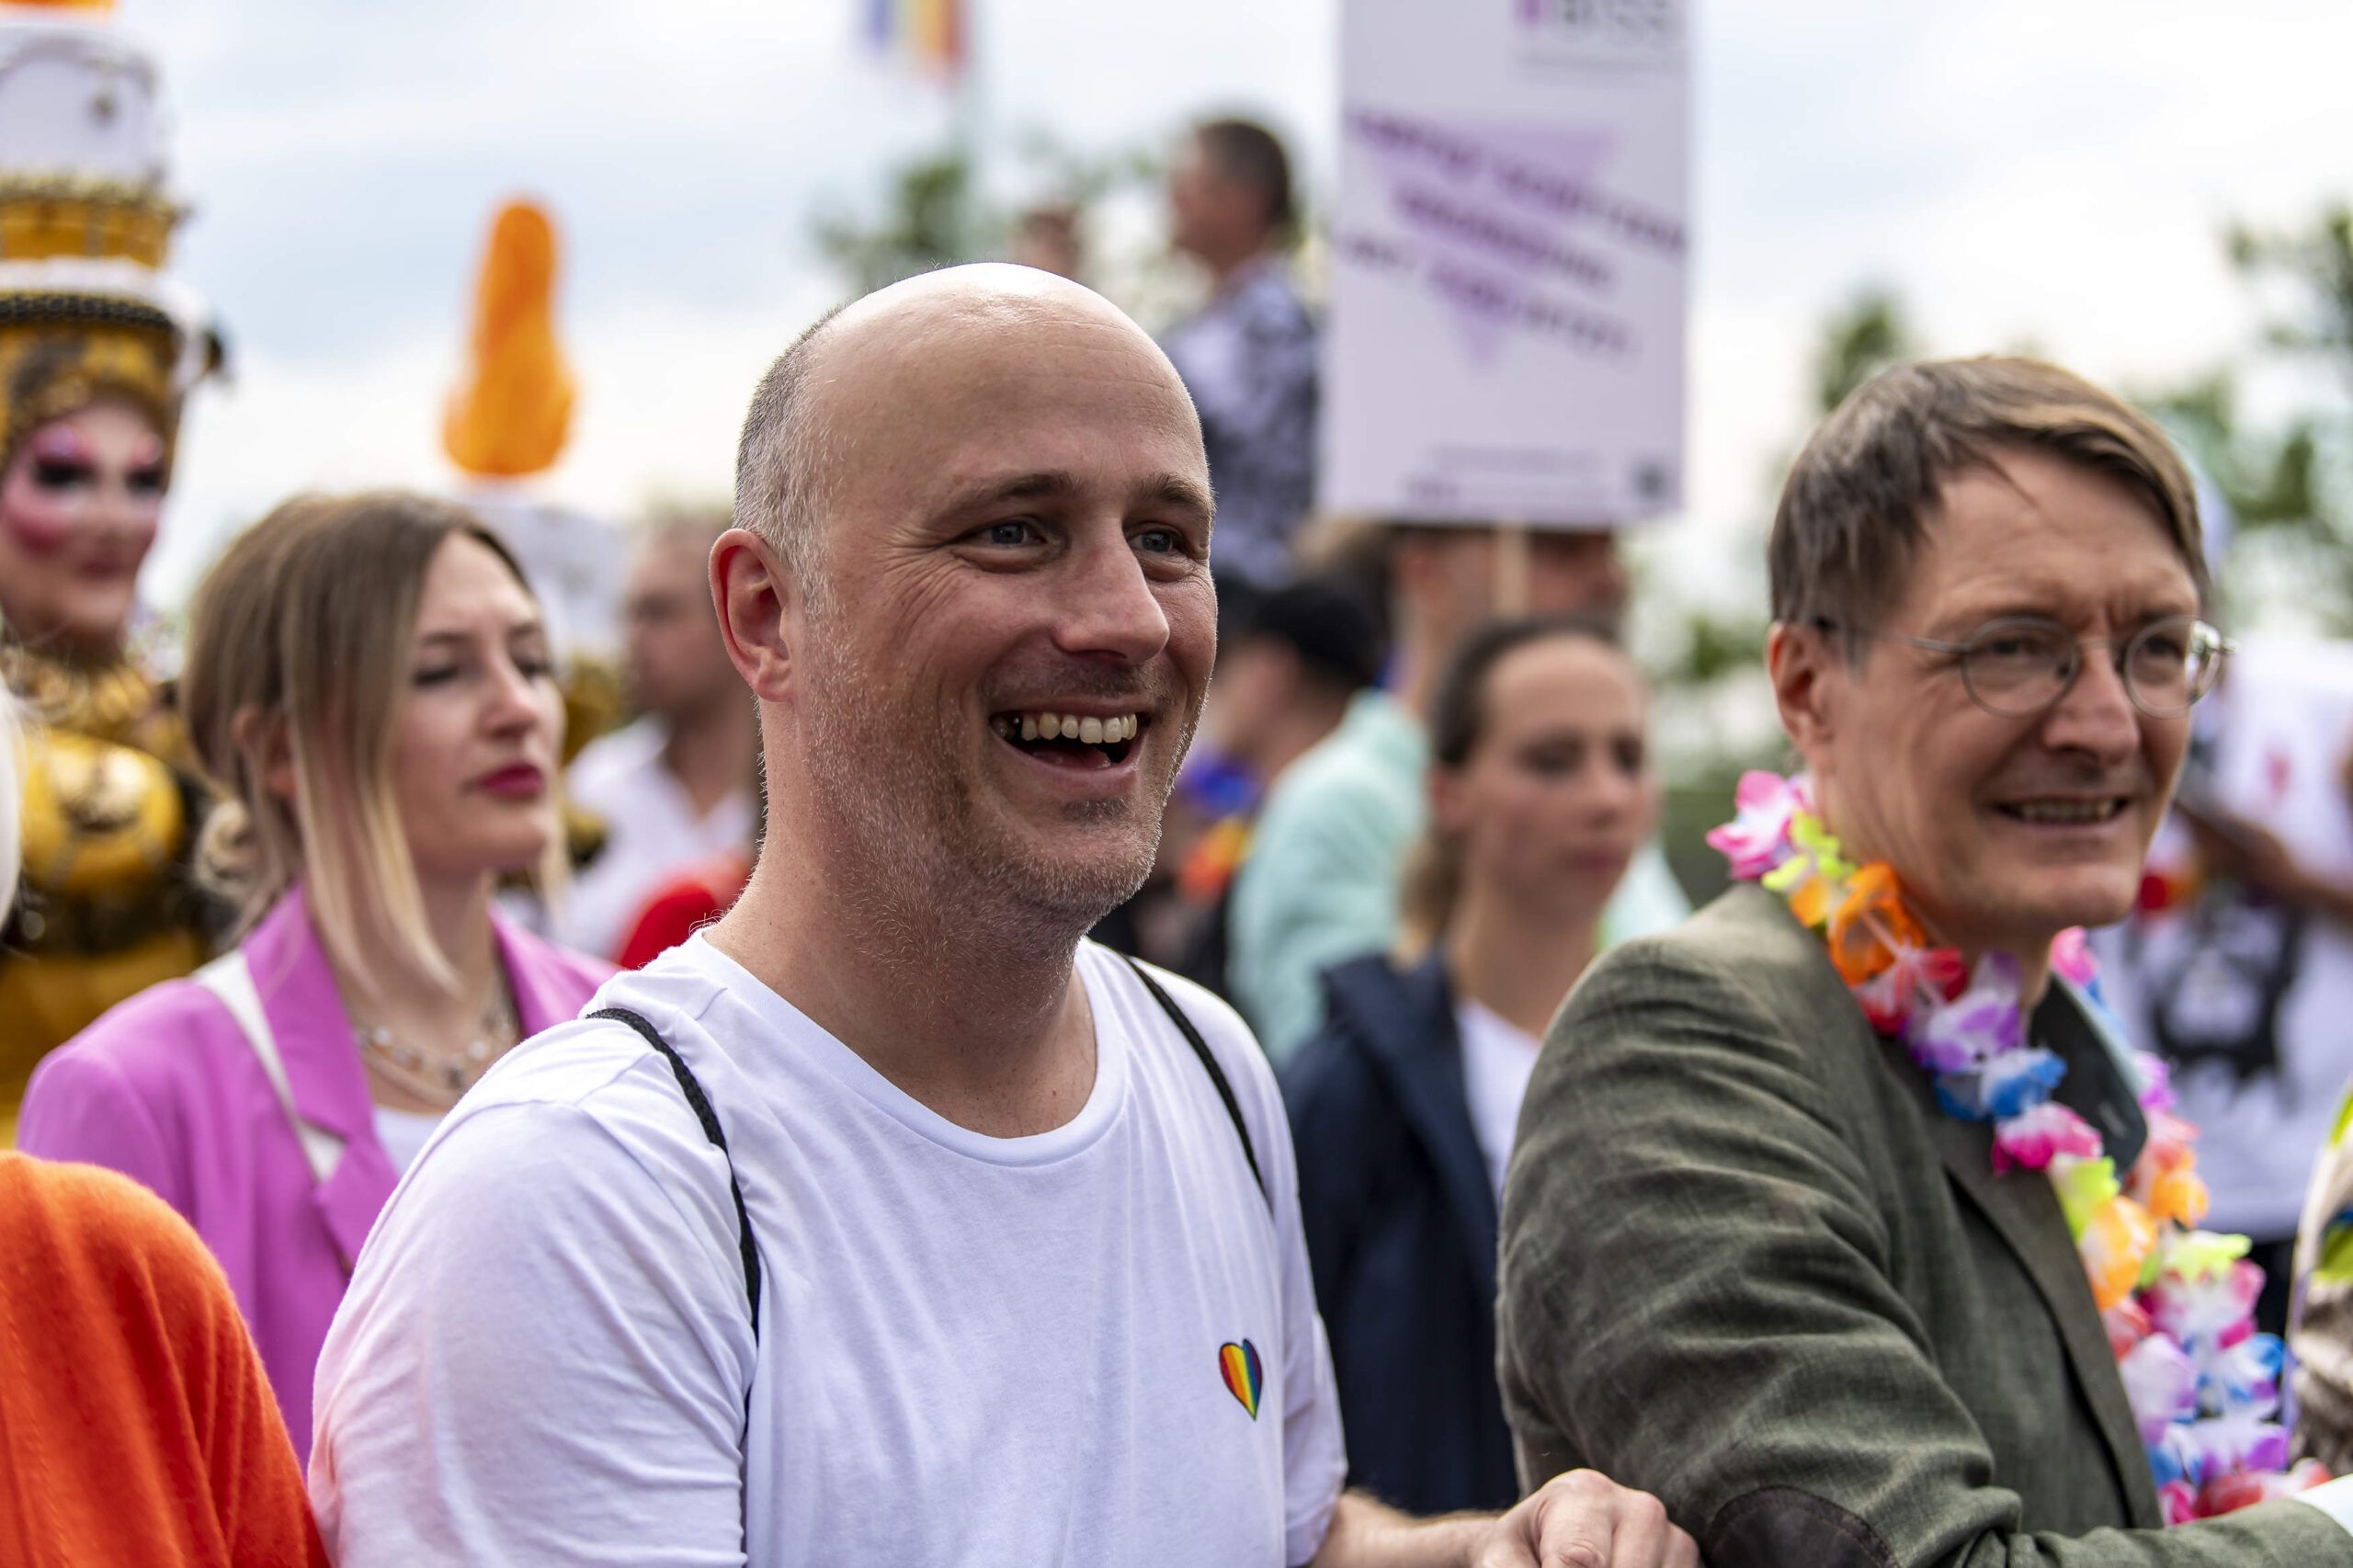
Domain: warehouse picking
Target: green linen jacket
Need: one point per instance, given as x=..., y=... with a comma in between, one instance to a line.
x=1749, y=1265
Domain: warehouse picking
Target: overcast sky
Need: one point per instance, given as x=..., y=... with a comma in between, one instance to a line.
x=2023, y=171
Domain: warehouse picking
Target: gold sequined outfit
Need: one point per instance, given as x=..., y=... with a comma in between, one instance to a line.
x=107, y=906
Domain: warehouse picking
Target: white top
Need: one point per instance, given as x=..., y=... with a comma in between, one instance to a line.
x=1497, y=1057
x=652, y=833
x=971, y=1349
x=403, y=1133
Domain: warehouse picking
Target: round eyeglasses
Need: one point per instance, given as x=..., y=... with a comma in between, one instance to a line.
x=2022, y=665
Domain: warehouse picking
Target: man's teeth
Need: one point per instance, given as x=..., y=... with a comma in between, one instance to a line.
x=1090, y=730
x=2066, y=811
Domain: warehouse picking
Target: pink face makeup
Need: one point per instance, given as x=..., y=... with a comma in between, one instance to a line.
x=102, y=489
x=79, y=506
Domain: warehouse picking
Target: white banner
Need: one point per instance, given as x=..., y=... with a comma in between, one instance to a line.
x=1506, y=340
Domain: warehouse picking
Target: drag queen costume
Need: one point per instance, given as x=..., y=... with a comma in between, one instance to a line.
x=88, y=321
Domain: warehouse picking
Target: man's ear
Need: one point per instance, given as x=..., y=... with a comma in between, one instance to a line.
x=1807, y=666
x=756, y=596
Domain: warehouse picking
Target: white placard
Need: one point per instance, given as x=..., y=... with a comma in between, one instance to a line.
x=1506, y=339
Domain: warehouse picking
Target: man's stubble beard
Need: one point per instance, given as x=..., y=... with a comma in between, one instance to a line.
x=914, y=855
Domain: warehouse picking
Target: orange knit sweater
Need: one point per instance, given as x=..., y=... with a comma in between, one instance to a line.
x=136, y=1425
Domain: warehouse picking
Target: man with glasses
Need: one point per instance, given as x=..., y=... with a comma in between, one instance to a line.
x=1808, y=1231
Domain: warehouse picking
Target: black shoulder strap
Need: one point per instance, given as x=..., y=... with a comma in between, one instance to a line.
x=701, y=1103
x=1208, y=1059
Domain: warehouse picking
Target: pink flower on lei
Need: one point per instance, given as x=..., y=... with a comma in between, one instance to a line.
x=2039, y=1135
x=2071, y=955
x=1756, y=839
x=2156, y=1081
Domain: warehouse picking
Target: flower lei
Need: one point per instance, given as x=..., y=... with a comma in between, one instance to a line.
x=2178, y=1302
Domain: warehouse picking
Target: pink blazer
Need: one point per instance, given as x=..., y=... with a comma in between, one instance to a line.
x=165, y=1088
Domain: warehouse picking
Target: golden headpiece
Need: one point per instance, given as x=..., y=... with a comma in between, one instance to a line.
x=85, y=225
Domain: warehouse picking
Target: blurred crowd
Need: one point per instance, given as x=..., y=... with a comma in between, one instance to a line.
x=290, y=891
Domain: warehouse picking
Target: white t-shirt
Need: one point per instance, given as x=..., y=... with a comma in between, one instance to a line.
x=1497, y=1058
x=971, y=1350
x=651, y=834
x=403, y=1133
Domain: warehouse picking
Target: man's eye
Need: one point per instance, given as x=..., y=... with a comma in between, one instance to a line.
x=1159, y=542
x=1010, y=533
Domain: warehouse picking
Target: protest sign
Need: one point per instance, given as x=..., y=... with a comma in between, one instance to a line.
x=1509, y=251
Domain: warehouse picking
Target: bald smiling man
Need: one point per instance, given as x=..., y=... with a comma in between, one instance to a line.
x=890, y=1222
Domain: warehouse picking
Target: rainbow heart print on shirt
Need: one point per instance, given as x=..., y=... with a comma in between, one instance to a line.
x=1243, y=1376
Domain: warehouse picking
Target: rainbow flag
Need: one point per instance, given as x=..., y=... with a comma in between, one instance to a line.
x=930, y=33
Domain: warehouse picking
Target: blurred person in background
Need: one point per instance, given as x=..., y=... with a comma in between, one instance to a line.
x=1287, y=666
x=2236, y=964
x=1319, y=883
x=1286, y=674
x=671, y=789
x=367, y=679
x=1048, y=237
x=1404, y=1105
x=697, y=895
x=1248, y=357
x=136, y=1424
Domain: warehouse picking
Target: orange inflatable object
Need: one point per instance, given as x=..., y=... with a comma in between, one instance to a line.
x=513, y=413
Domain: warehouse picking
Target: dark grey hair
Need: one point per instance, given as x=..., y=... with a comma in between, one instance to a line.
x=1858, y=498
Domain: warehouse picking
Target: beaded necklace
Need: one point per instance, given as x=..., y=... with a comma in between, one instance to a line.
x=2178, y=1302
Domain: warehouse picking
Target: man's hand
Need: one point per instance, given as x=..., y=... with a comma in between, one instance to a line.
x=1584, y=1519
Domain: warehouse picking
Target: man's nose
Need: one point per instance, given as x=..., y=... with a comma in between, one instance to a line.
x=1107, y=605
x=2096, y=716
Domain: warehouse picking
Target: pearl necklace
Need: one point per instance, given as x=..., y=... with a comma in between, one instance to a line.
x=443, y=1079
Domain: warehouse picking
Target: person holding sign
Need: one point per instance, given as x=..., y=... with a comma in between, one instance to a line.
x=1840, y=1215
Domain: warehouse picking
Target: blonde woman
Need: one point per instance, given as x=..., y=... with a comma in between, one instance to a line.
x=367, y=679
x=1402, y=1104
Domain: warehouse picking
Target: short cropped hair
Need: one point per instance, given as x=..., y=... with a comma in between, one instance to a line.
x=779, y=456
x=303, y=630
x=1253, y=157
x=1859, y=498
